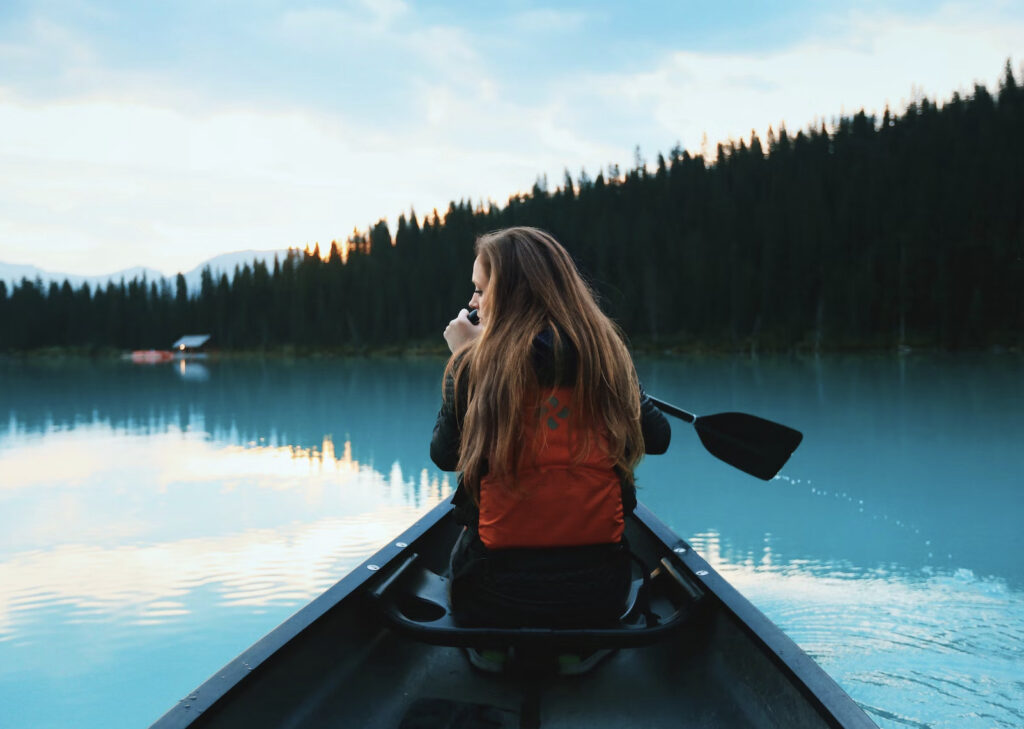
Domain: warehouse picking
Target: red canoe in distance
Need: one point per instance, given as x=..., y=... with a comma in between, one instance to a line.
x=151, y=356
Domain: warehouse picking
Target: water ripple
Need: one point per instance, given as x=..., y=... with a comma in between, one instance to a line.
x=947, y=648
x=160, y=585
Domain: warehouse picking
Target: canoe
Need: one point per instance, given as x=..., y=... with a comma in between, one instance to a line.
x=378, y=649
x=151, y=356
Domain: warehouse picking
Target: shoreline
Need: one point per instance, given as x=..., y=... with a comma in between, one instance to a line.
x=413, y=351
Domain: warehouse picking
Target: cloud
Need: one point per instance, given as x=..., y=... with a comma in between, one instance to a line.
x=132, y=175
x=549, y=20
x=859, y=61
x=44, y=42
x=89, y=180
x=380, y=44
x=322, y=120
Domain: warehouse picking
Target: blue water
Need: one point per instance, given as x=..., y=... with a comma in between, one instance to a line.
x=159, y=519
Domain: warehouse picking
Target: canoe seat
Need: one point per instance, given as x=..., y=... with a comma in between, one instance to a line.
x=414, y=601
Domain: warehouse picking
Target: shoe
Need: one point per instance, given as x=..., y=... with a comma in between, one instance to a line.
x=574, y=664
x=491, y=661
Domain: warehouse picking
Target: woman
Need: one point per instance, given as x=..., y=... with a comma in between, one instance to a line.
x=544, y=417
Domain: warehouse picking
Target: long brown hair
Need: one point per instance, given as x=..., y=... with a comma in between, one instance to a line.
x=533, y=286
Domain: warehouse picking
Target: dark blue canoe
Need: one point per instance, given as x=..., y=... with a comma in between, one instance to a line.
x=378, y=649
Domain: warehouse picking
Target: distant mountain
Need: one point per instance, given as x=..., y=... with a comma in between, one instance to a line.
x=13, y=273
x=226, y=263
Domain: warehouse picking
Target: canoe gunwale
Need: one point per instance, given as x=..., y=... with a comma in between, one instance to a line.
x=233, y=675
x=810, y=678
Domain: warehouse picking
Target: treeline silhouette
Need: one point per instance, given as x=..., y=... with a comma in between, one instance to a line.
x=906, y=230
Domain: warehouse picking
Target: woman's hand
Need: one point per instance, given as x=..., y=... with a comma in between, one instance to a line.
x=460, y=331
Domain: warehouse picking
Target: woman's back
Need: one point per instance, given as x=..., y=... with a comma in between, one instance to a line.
x=543, y=416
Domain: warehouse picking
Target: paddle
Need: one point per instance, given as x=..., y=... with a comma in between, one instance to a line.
x=752, y=444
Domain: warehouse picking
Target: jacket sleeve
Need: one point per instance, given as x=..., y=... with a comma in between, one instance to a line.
x=444, y=452
x=444, y=443
x=654, y=425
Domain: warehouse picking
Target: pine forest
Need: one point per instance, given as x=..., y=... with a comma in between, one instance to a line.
x=868, y=233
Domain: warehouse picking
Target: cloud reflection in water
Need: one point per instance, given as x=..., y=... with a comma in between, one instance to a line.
x=110, y=526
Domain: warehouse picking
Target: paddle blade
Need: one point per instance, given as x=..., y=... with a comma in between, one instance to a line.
x=752, y=444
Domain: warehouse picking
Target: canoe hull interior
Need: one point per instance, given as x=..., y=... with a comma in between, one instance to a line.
x=338, y=663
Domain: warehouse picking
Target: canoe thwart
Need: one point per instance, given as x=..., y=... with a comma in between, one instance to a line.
x=414, y=601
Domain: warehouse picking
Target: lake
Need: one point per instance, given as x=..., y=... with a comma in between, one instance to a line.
x=157, y=520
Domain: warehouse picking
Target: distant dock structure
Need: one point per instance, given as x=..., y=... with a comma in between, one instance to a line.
x=190, y=345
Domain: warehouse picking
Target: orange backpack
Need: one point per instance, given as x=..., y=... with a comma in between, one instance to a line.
x=558, y=499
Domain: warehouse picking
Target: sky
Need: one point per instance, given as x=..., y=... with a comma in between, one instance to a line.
x=161, y=134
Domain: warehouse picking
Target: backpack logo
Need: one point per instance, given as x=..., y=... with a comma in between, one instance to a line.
x=550, y=410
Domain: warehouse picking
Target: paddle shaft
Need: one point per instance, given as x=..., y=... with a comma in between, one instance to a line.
x=672, y=409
